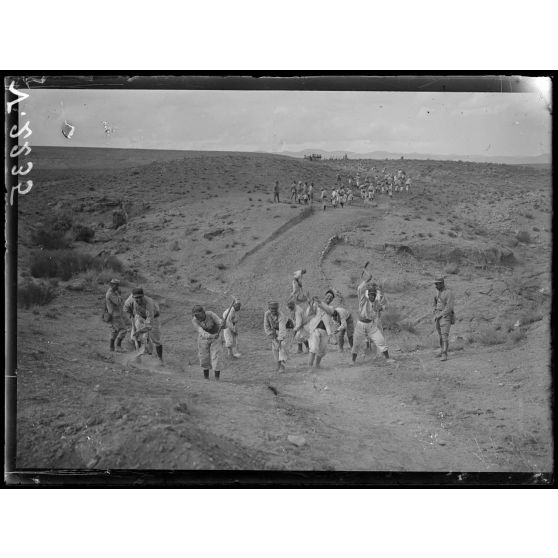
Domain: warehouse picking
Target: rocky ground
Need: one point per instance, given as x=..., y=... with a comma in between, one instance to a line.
x=202, y=228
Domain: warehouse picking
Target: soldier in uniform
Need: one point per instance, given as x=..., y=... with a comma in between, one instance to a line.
x=443, y=315
x=114, y=304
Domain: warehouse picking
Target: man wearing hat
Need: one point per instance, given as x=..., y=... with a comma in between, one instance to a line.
x=275, y=327
x=114, y=303
x=230, y=329
x=209, y=327
x=145, y=314
x=443, y=315
x=371, y=302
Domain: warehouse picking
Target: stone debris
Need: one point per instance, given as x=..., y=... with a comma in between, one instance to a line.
x=298, y=441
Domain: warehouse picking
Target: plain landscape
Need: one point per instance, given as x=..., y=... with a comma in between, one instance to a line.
x=201, y=228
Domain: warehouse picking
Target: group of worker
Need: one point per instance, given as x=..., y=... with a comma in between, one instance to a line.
x=375, y=183
x=308, y=322
x=302, y=193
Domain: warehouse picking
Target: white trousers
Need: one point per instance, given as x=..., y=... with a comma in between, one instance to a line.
x=368, y=331
x=279, y=350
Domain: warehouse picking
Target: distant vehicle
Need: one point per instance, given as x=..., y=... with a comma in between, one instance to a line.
x=313, y=157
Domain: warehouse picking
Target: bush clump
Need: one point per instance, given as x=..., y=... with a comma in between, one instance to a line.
x=489, y=335
x=391, y=319
x=523, y=236
x=83, y=233
x=50, y=239
x=65, y=263
x=35, y=294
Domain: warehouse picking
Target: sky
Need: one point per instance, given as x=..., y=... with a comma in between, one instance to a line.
x=495, y=124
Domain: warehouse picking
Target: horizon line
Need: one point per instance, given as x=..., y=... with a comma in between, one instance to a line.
x=288, y=153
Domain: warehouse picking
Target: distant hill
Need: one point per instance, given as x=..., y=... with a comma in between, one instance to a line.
x=544, y=159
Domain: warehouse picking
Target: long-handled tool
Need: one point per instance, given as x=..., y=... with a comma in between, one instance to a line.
x=364, y=269
x=224, y=324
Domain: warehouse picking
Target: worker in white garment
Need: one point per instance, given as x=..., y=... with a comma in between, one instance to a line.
x=275, y=327
x=299, y=317
x=230, y=330
x=319, y=328
x=208, y=325
x=371, y=302
x=342, y=319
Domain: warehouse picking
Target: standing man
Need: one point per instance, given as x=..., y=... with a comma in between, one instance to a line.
x=276, y=192
x=275, y=327
x=114, y=305
x=293, y=191
x=371, y=302
x=230, y=330
x=299, y=318
x=311, y=192
x=319, y=328
x=444, y=315
x=209, y=327
x=144, y=311
x=323, y=197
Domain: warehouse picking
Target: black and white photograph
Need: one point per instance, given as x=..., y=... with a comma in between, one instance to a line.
x=326, y=275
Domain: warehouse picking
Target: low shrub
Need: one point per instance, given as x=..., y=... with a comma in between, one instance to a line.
x=518, y=335
x=523, y=236
x=409, y=326
x=530, y=316
x=451, y=268
x=50, y=239
x=391, y=319
x=83, y=233
x=488, y=335
x=35, y=294
x=395, y=285
x=65, y=263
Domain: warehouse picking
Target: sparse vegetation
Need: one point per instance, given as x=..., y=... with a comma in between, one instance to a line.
x=391, y=319
x=65, y=263
x=518, y=335
x=451, y=268
x=523, y=236
x=83, y=233
x=395, y=285
x=489, y=335
x=35, y=294
x=50, y=239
